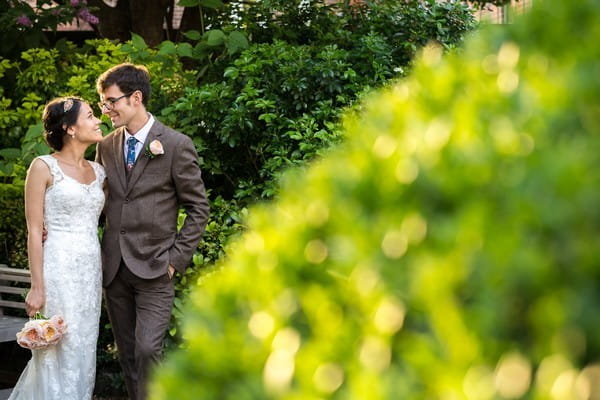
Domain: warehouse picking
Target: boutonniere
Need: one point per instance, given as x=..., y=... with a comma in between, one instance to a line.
x=155, y=148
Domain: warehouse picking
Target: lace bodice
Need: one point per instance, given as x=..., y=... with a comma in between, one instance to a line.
x=72, y=281
x=71, y=206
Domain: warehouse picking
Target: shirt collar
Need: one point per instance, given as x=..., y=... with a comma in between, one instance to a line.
x=142, y=134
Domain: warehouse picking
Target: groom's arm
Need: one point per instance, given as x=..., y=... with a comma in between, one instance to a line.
x=99, y=160
x=191, y=195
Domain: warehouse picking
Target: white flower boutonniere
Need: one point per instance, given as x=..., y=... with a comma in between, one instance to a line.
x=155, y=148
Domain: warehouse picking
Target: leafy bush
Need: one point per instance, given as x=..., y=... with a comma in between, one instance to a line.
x=276, y=107
x=66, y=69
x=279, y=102
x=13, y=236
x=447, y=250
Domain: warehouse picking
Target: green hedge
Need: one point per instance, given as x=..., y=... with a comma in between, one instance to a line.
x=278, y=104
x=39, y=74
x=448, y=250
x=13, y=235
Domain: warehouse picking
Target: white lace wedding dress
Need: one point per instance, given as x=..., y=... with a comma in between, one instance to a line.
x=72, y=278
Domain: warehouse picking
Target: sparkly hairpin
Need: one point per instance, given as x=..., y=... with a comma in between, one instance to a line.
x=67, y=105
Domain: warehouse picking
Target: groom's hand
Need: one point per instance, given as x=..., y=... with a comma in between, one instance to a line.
x=171, y=271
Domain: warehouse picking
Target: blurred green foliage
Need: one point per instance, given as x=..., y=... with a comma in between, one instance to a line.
x=449, y=249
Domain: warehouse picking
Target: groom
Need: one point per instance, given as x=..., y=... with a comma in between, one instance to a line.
x=151, y=171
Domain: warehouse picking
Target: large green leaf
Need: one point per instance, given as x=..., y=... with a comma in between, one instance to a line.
x=237, y=42
x=211, y=3
x=188, y=3
x=192, y=35
x=215, y=37
x=10, y=153
x=184, y=50
x=167, y=47
x=202, y=3
x=138, y=41
x=34, y=131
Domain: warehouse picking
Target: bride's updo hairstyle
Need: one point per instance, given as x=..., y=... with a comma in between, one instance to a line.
x=59, y=114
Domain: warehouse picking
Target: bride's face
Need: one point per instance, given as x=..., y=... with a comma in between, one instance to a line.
x=87, y=128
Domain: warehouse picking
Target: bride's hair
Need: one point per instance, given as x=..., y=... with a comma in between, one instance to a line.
x=59, y=114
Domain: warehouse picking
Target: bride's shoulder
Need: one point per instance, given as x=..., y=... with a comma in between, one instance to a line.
x=45, y=163
x=45, y=159
x=41, y=163
x=98, y=168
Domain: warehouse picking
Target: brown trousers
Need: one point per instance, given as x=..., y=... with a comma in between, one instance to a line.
x=139, y=311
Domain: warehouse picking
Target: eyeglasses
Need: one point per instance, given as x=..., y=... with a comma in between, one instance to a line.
x=109, y=104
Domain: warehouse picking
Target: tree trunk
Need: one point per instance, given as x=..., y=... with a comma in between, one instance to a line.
x=144, y=17
x=190, y=20
x=147, y=19
x=115, y=23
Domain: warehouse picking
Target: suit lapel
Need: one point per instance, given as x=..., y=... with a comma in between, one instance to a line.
x=117, y=149
x=142, y=160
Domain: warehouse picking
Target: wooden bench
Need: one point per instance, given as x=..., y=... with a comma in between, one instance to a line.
x=9, y=326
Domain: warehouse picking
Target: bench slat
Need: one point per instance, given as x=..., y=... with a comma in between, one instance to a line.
x=13, y=278
x=13, y=290
x=9, y=326
x=13, y=304
x=13, y=271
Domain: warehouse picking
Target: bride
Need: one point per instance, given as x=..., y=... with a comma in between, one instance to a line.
x=64, y=195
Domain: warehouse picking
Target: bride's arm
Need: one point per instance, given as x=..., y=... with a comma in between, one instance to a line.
x=38, y=179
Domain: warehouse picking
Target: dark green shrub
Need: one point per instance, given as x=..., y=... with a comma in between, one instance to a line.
x=66, y=69
x=447, y=250
x=278, y=104
x=276, y=107
x=13, y=235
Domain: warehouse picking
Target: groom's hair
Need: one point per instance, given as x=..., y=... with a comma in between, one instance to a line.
x=128, y=78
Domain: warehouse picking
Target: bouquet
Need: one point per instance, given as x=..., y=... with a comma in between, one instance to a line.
x=41, y=332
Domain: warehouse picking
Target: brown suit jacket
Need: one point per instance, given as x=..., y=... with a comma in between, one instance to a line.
x=141, y=209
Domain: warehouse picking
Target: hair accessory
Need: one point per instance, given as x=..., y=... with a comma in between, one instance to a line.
x=67, y=105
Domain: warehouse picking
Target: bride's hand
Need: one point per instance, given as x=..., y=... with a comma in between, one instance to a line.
x=35, y=301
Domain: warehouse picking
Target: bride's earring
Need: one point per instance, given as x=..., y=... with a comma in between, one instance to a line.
x=72, y=135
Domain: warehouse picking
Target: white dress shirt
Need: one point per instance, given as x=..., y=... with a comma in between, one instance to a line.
x=140, y=136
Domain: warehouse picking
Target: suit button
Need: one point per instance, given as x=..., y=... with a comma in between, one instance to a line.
x=127, y=200
x=122, y=232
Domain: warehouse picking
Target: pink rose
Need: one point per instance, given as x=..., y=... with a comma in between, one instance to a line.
x=30, y=336
x=59, y=323
x=50, y=333
x=156, y=148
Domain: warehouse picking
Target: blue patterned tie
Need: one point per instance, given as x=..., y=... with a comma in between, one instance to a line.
x=131, y=152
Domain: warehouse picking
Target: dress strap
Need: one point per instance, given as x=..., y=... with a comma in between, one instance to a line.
x=99, y=171
x=52, y=164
